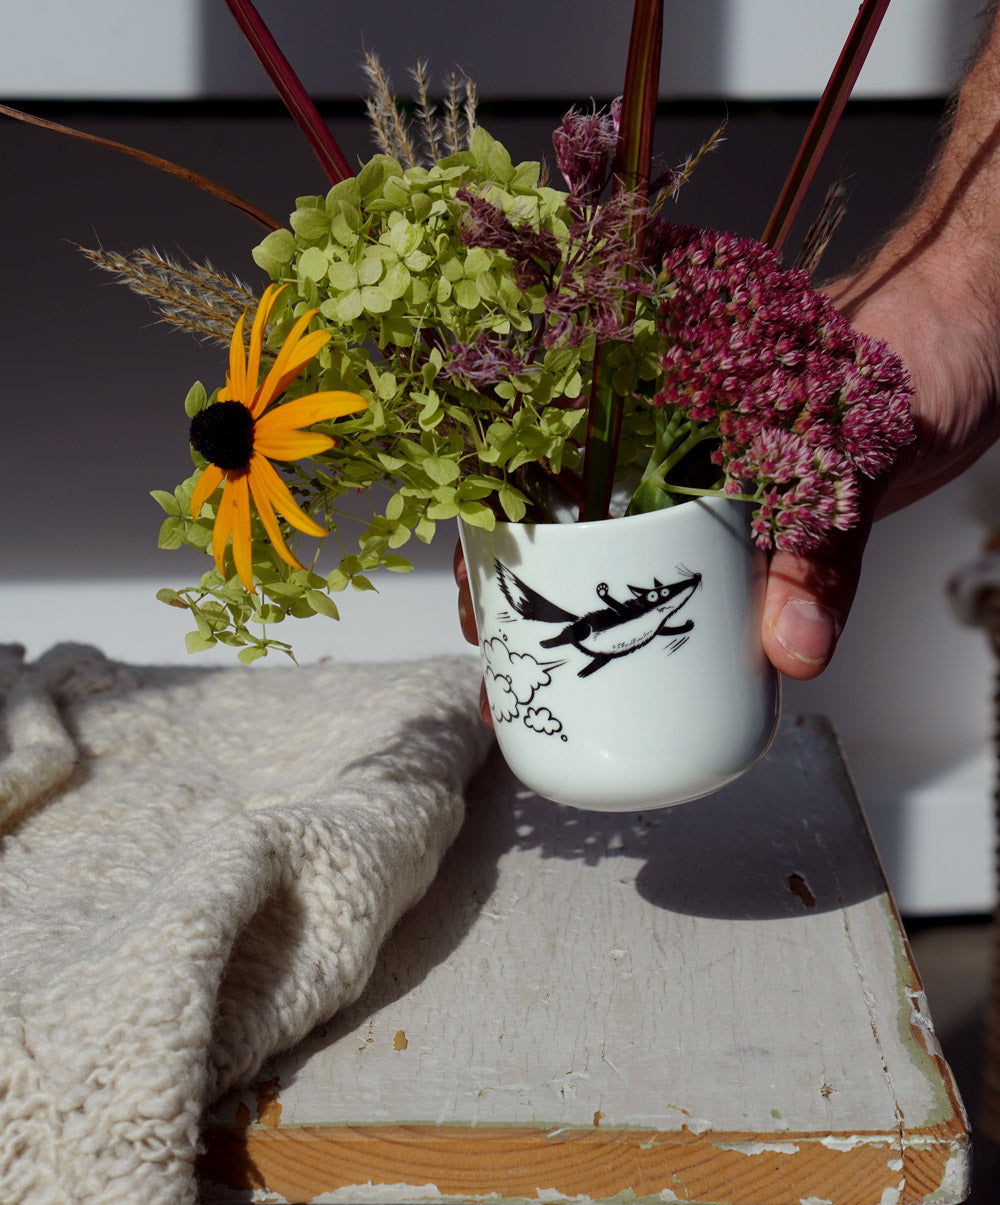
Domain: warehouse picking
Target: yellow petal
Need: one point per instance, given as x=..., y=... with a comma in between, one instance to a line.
x=205, y=487
x=261, y=319
x=236, y=382
x=223, y=527
x=269, y=485
x=292, y=365
x=297, y=350
x=258, y=488
x=304, y=411
x=291, y=445
x=242, y=546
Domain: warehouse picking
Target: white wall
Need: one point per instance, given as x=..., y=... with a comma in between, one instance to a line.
x=736, y=48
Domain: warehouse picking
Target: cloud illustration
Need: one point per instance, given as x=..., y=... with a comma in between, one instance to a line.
x=540, y=719
x=524, y=673
x=503, y=701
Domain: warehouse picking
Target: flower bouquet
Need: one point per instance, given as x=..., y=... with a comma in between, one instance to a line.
x=451, y=334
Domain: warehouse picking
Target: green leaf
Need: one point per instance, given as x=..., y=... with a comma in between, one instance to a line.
x=418, y=261
x=171, y=533
x=441, y=510
x=322, y=604
x=345, y=308
x=404, y=238
x=344, y=196
x=421, y=206
x=370, y=270
x=372, y=177
x=167, y=501
x=252, y=653
x=310, y=224
x=441, y=470
x=650, y=496
x=513, y=503
x=344, y=230
x=198, y=643
x=313, y=264
x=396, y=564
x=396, y=281
x=196, y=400
x=275, y=252
x=477, y=514
x=200, y=534
x=360, y=582
x=466, y=294
x=342, y=275
x=500, y=167
x=395, y=507
x=374, y=300
x=171, y=598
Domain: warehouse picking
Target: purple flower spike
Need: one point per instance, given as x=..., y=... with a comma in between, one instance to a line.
x=801, y=403
x=485, y=362
x=533, y=252
x=585, y=146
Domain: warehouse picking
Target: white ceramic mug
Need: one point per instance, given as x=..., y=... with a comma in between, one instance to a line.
x=622, y=659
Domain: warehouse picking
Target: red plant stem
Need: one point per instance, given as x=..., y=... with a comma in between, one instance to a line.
x=630, y=171
x=291, y=90
x=824, y=122
x=639, y=98
x=163, y=165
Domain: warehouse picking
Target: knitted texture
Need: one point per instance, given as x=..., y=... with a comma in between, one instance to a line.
x=197, y=867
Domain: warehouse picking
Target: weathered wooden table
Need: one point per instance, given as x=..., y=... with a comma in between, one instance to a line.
x=708, y=1003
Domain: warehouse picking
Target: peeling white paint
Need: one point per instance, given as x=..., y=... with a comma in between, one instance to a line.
x=815, y=1201
x=758, y=1148
x=895, y=1165
x=919, y=1010
x=954, y=1184
x=401, y=1193
x=921, y=1021
x=853, y=1141
x=697, y=1125
x=892, y=1196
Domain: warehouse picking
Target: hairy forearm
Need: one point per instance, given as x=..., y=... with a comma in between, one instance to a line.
x=932, y=289
x=958, y=214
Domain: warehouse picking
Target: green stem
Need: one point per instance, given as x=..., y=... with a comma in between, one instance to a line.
x=718, y=491
x=676, y=455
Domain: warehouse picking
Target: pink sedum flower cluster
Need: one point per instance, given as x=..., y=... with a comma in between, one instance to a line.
x=798, y=402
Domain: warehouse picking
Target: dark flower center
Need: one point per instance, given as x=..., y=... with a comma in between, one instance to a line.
x=223, y=434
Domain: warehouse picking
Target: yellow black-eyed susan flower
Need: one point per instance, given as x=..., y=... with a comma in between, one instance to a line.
x=238, y=435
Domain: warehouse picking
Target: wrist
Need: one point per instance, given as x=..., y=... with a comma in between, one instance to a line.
x=936, y=302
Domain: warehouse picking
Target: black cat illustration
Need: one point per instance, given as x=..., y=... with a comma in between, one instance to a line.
x=612, y=630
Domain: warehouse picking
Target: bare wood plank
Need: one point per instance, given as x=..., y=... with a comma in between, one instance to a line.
x=360, y=1164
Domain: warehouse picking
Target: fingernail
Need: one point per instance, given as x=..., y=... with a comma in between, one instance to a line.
x=806, y=630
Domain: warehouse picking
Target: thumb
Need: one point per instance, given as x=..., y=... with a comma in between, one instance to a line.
x=807, y=602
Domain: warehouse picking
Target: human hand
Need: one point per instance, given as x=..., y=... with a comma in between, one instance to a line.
x=912, y=297
x=467, y=620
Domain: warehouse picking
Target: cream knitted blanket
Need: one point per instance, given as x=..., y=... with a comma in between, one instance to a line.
x=198, y=866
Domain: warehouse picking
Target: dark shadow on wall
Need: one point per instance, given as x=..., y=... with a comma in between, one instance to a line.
x=521, y=49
